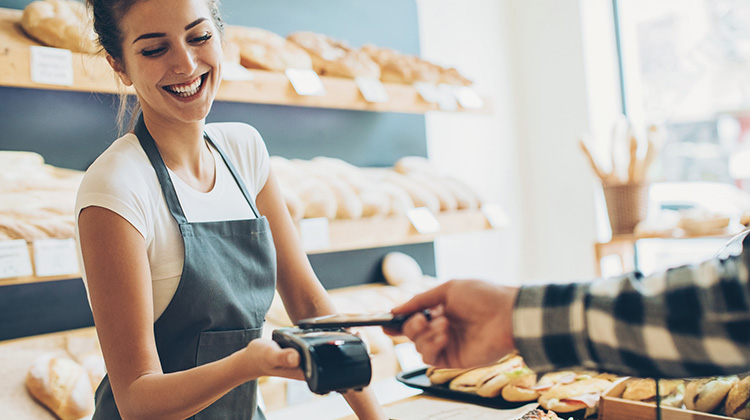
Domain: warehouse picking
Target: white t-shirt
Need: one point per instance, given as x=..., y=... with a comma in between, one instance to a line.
x=122, y=180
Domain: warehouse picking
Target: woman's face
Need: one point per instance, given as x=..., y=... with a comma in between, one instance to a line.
x=172, y=56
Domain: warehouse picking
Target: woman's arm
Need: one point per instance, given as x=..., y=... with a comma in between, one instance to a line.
x=119, y=284
x=298, y=286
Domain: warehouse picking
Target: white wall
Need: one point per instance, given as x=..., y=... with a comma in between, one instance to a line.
x=548, y=69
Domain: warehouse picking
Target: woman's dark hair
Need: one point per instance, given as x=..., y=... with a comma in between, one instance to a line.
x=107, y=15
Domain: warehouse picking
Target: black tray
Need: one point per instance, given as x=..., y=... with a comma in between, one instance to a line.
x=418, y=379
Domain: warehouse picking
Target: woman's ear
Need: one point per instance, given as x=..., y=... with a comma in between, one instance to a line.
x=120, y=70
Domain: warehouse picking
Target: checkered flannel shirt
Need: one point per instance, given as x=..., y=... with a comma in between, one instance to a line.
x=688, y=321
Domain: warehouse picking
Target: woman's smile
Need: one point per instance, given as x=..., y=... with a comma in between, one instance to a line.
x=189, y=89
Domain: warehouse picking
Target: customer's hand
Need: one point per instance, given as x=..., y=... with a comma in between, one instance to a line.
x=471, y=323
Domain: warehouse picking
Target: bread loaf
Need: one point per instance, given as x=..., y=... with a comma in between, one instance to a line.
x=333, y=57
x=266, y=50
x=60, y=24
x=61, y=385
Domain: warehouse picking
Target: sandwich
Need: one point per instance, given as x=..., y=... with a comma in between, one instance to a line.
x=487, y=381
x=738, y=400
x=671, y=392
x=521, y=389
x=575, y=396
x=438, y=376
x=708, y=394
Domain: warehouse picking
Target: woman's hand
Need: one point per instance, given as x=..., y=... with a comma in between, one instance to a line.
x=266, y=358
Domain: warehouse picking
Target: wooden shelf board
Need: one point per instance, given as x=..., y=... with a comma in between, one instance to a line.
x=347, y=235
x=91, y=73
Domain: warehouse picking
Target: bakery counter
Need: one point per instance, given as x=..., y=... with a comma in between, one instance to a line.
x=91, y=73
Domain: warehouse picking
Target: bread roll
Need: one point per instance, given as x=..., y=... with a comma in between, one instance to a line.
x=493, y=383
x=60, y=24
x=319, y=199
x=738, y=398
x=420, y=196
x=266, y=50
x=671, y=392
x=707, y=394
x=333, y=57
x=62, y=385
x=399, y=269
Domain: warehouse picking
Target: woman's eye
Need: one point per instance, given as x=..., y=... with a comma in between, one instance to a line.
x=203, y=38
x=152, y=52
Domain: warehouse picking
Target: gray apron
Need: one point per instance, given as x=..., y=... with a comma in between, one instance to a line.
x=227, y=284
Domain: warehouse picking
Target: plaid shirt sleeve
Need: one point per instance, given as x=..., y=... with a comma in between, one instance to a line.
x=689, y=321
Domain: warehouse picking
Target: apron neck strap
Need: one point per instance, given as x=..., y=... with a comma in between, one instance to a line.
x=170, y=195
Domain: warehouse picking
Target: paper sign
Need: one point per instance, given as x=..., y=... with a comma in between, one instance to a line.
x=314, y=233
x=423, y=220
x=52, y=66
x=495, y=215
x=446, y=98
x=55, y=257
x=428, y=92
x=306, y=82
x=468, y=98
x=235, y=72
x=15, y=260
x=433, y=409
x=372, y=89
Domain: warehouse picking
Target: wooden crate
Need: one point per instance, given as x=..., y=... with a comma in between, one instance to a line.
x=612, y=407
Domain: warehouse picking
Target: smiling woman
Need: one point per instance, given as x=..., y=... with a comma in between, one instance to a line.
x=184, y=234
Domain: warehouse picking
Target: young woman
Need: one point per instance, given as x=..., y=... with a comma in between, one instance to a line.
x=184, y=235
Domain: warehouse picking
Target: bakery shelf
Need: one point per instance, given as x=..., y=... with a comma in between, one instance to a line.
x=93, y=74
x=345, y=235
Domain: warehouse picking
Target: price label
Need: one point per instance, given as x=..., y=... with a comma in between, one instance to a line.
x=468, y=98
x=55, y=257
x=446, y=98
x=306, y=82
x=372, y=89
x=15, y=260
x=235, y=72
x=423, y=220
x=428, y=92
x=314, y=233
x=52, y=66
x=495, y=215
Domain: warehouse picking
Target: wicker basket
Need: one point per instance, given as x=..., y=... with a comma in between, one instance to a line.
x=627, y=205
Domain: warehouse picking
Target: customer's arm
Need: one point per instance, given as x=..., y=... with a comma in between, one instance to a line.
x=688, y=321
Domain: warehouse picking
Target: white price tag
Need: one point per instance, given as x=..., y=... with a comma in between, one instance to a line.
x=15, y=260
x=446, y=98
x=372, y=89
x=235, y=72
x=495, y=215
x=423, y=220
x=306, y=82
x=428, y=92
x=52, y=66
x=55, y=257
x=468, y=98
x=314, y=233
